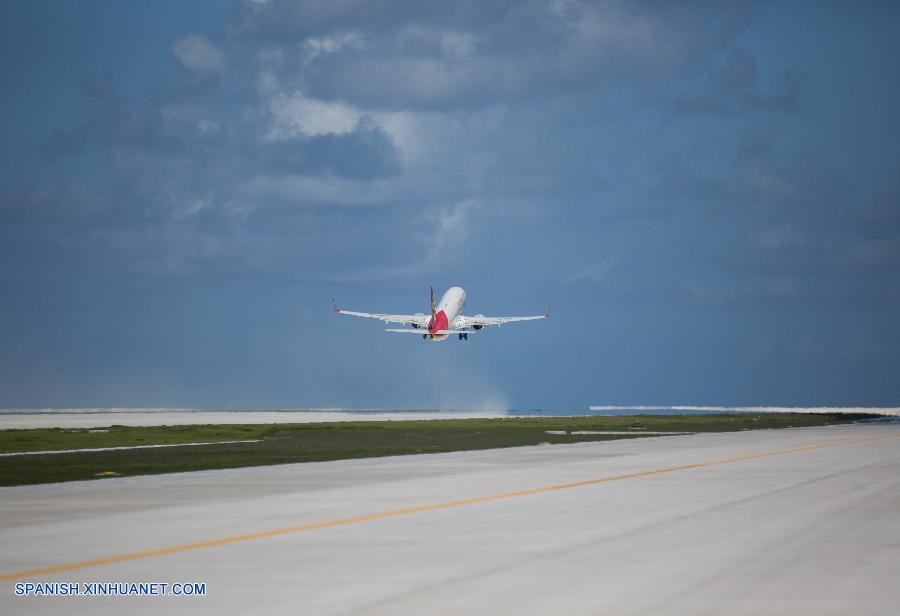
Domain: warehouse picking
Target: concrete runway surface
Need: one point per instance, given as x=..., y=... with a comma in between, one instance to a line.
x=801, y=521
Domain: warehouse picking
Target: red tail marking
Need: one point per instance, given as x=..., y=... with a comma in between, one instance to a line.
x=438, y=322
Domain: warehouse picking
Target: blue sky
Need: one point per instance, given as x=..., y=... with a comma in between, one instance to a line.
x=708, y=194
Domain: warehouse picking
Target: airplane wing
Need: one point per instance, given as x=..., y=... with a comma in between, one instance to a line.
x=442, y=332
x=481, y=320
x=408, y=319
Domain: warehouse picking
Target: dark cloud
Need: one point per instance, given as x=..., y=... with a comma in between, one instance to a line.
x=366, y=153
x=734, y=86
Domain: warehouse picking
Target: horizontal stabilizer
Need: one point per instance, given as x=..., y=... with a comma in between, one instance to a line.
x=423, y=332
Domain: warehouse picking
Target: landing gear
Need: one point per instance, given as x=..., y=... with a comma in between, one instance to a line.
x=424, y=336
x=464, y=336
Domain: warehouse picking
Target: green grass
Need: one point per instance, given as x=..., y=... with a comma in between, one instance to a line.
x=50, y=439
x=286, y=443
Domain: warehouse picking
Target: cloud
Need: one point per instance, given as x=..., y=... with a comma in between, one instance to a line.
x=314, y=191
x=733, y=85
x=365, y=154
x=440, y=235
x=295, y=113
x=329, y=108
x=199, y=54
x=442, y=57
x=597, y=273
x=454, y=221
x=331, y=112
x=315, y=46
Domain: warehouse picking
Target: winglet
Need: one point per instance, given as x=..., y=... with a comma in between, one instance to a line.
x=334, y=307
x=547, y=314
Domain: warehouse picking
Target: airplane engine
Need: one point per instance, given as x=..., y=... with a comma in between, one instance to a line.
x=415, y=326
x=478, y=327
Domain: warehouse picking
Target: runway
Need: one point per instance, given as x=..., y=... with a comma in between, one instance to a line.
x=770, y=521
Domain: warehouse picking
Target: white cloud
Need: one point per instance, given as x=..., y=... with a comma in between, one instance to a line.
x=197, y=53
x=191, y=208
x=208, y=126
x=406, y=129
x=448, y=229
x=317, y=46
x=296, y=113
x=425, y=136
x=314, y=191
x=455, y=220
x=457, y=44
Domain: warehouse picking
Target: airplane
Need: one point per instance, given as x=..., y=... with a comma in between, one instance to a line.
x=445, y=318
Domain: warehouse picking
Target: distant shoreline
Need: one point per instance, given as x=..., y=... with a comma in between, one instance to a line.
x=878, y=410
x=593, y=409
x=136, y=417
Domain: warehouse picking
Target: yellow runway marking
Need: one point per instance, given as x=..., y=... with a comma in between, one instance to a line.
x=411, y=510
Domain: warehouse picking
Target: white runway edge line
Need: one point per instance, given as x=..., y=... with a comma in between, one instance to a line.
x=45, y=453
x=631, y=434
x=876, y=410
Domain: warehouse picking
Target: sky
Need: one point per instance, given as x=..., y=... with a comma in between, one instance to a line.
x=706, y=194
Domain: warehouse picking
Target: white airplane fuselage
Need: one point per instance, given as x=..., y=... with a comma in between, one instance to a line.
x=446, y=312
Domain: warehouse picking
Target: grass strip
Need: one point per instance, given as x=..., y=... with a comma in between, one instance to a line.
x=310, y=442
